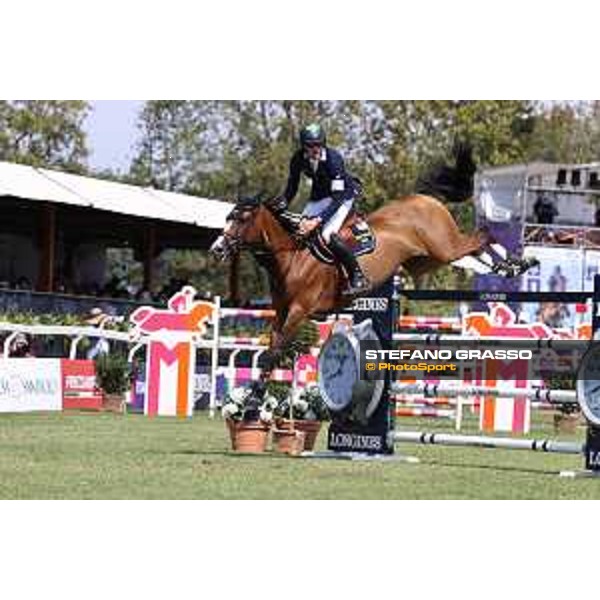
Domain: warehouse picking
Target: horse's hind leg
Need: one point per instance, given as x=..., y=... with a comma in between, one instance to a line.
x=474, y=252
x=451, y=248
x=478, y=252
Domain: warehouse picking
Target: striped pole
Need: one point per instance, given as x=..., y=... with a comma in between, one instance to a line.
x=441, y=338
x=425, y=412
x=481, y=441
x=537, y=394
x=414, y=401
x=441, y=324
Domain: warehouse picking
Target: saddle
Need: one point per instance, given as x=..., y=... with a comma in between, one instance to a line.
x=356, y=233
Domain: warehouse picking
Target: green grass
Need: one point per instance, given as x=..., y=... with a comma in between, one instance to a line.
x=107, y=456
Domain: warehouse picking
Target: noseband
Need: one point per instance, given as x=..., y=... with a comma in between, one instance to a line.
x=235, y=240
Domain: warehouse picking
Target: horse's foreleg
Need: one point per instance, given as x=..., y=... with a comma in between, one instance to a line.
x=282, y=335
x=296, y=314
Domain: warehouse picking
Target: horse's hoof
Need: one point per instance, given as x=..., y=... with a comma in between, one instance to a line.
x=526, y=264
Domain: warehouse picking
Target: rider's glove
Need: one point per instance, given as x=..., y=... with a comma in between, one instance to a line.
x=277, y=205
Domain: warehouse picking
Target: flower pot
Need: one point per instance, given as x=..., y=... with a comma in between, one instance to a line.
x=287, y=441
x=310, y=429
x=566, y=423
x=248, y=436
x=113, y=402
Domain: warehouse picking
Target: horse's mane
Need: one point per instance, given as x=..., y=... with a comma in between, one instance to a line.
x=451, y=183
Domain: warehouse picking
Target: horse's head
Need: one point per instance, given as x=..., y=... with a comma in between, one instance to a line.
x=242, y=229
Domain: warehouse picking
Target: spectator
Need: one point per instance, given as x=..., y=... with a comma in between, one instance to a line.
x=23, y=283
x=545, y=210
x=20, y=347
x=98, y=318
x=144, y=295
x=557, y=281
x=553, y=314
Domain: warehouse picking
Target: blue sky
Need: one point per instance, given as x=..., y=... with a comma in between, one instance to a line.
x=112, y=133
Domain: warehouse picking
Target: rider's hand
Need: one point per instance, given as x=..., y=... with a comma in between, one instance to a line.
x=307, y=226
x=277, y=205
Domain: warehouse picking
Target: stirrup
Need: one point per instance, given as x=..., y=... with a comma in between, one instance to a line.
x=360, y=284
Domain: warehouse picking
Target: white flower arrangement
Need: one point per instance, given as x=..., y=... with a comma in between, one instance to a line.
x=243, y=404
x=306, y=404
x=267, y=408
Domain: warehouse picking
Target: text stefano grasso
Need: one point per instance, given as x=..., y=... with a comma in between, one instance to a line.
x=498, y=354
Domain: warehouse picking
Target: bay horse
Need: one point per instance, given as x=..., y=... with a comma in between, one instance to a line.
x=416, y=232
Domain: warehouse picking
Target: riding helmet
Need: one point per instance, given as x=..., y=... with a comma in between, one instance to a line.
x=312, y=134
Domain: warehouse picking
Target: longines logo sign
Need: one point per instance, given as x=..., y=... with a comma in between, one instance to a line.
x=493, y=297
x=370, y=304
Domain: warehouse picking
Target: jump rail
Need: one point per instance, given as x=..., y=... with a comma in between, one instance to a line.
x=481, y=441
x=537, y=394
x=479, y=296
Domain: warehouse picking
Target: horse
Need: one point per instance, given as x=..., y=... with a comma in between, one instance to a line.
x=416, y=232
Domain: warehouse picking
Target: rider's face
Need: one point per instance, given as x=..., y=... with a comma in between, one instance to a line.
x=313, y=151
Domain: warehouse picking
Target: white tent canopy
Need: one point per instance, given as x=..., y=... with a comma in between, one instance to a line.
x=46, y=185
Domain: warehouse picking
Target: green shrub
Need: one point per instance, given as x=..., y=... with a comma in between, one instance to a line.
x=113, y=373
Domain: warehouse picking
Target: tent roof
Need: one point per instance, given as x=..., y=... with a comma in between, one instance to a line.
x=30, y=183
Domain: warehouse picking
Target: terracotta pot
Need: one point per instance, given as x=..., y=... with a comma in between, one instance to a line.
x=287, y=441
x=113, y=402
x=310, y=429
x=566, y=423
x=249, y=437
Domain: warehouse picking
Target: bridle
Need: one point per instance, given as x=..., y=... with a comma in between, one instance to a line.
x=234, y=240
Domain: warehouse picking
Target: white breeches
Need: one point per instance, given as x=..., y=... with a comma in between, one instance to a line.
x=313, y=209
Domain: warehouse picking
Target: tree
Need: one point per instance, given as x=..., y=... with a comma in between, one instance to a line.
x=566, y=132
x=233, y=148
x=172, y=145
x=44, y=133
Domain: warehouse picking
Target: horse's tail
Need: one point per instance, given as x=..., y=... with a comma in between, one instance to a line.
x=451, y=183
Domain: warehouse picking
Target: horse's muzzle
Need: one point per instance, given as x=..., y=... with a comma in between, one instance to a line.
x=220, y=248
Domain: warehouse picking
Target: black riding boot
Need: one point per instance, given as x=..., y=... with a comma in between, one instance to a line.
x=357, y=281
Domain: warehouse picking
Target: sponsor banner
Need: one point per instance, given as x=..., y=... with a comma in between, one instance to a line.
x=170, y=377
x=171, y=353
x=591, y=268
x=370, y=304
x=560, y=270
x=138, y=397
x=30, y=384
x=79, y=385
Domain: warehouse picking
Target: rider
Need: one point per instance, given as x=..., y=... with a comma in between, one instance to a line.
x=332, y=197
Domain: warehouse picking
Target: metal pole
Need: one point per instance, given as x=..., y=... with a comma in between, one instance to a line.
x=596, y=305
x=7, y=343
x=396, y=314
x=214, y=362
x=73, y=349
x=537, y=394
x=480, y=441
